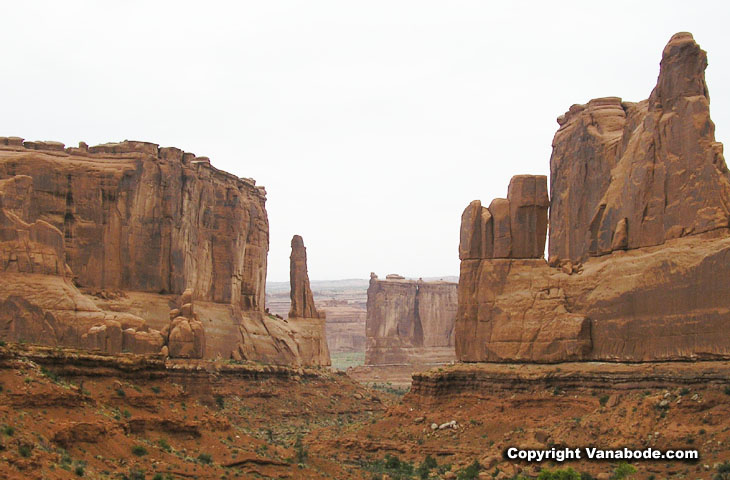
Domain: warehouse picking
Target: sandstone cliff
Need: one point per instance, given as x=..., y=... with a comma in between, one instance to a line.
x=640, y=196
x=409, y=321
x=133, y=225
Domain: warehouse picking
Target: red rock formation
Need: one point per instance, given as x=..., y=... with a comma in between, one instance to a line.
x=409, y=321
x=631, y=175
x=640, y=196
x=302, y=301
x=185, y=336
x=514, y=227
x=308, y=325
x=144, y=221
x=138, y=217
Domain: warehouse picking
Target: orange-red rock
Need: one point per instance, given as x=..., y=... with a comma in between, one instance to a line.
x=409, y=322
x=640, y=196
x=631, y=175
x=514, y=227
x=146, y=222
x=307, y=324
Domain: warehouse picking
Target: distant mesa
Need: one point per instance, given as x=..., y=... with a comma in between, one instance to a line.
x=639, y=213
x=409, y=321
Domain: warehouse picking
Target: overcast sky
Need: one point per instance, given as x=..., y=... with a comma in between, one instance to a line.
x=371, y=124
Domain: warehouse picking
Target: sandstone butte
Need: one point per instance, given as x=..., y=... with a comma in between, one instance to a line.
x=97, y=245
x=639, y=240
x=409, y=321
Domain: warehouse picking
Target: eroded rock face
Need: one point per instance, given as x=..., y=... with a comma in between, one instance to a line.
x=144, y=223
x=308, y=325
x=514, y=227
x=638, y=237
x=409, y=321
x=630, y=175
x=138, y=217
x=302, y=301
x=185, y=336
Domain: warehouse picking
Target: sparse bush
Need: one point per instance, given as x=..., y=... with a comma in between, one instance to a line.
x=139, y=450
x=299, y=450
x=135, y=475
x=2, y=343
x=53, y=376
x=220, y=402
x=727, y=390
x=723, y=471
x=24, y=451
x=205, y=458
x=162, y=443
x=79, y=470
x=559, y=474
x=623, y=470
x=428, y=464
x=469, y=473
x=120, y=392
x=603, y=400
x=155, y=390
x=684, y=391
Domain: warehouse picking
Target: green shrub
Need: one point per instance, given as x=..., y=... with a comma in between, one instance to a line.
x=139, y=450
x=559, y=474
x=205, y=458
x=155, y=390
x=623, y=470
x=723, y=471
x=8, y=430
x=162, y=443
x=24, y=451
x=299, y=450
x=424, y=469
x=51, y=375
x=469, y=473
x=684, y=391
x=220, y=401
x=603, y=400
x=79, y=470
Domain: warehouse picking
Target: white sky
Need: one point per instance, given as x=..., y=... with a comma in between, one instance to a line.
x=372, y=124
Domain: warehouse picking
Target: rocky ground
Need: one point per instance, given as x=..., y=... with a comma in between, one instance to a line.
x=68, y=414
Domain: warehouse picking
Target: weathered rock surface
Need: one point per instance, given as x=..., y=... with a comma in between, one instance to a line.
x=147, y=223
x=640, y=196
x=514, y=227
x=308, y=325
x=185, y=336
x=138, y=217
x=409, y=321
x=302, y=301
x=631, y=175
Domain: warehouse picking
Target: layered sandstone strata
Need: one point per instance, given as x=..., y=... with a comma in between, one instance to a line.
x=639, y=209
x=409, y=322
x=133, y=225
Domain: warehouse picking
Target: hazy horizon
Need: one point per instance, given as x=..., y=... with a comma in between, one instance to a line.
x=371, y=125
